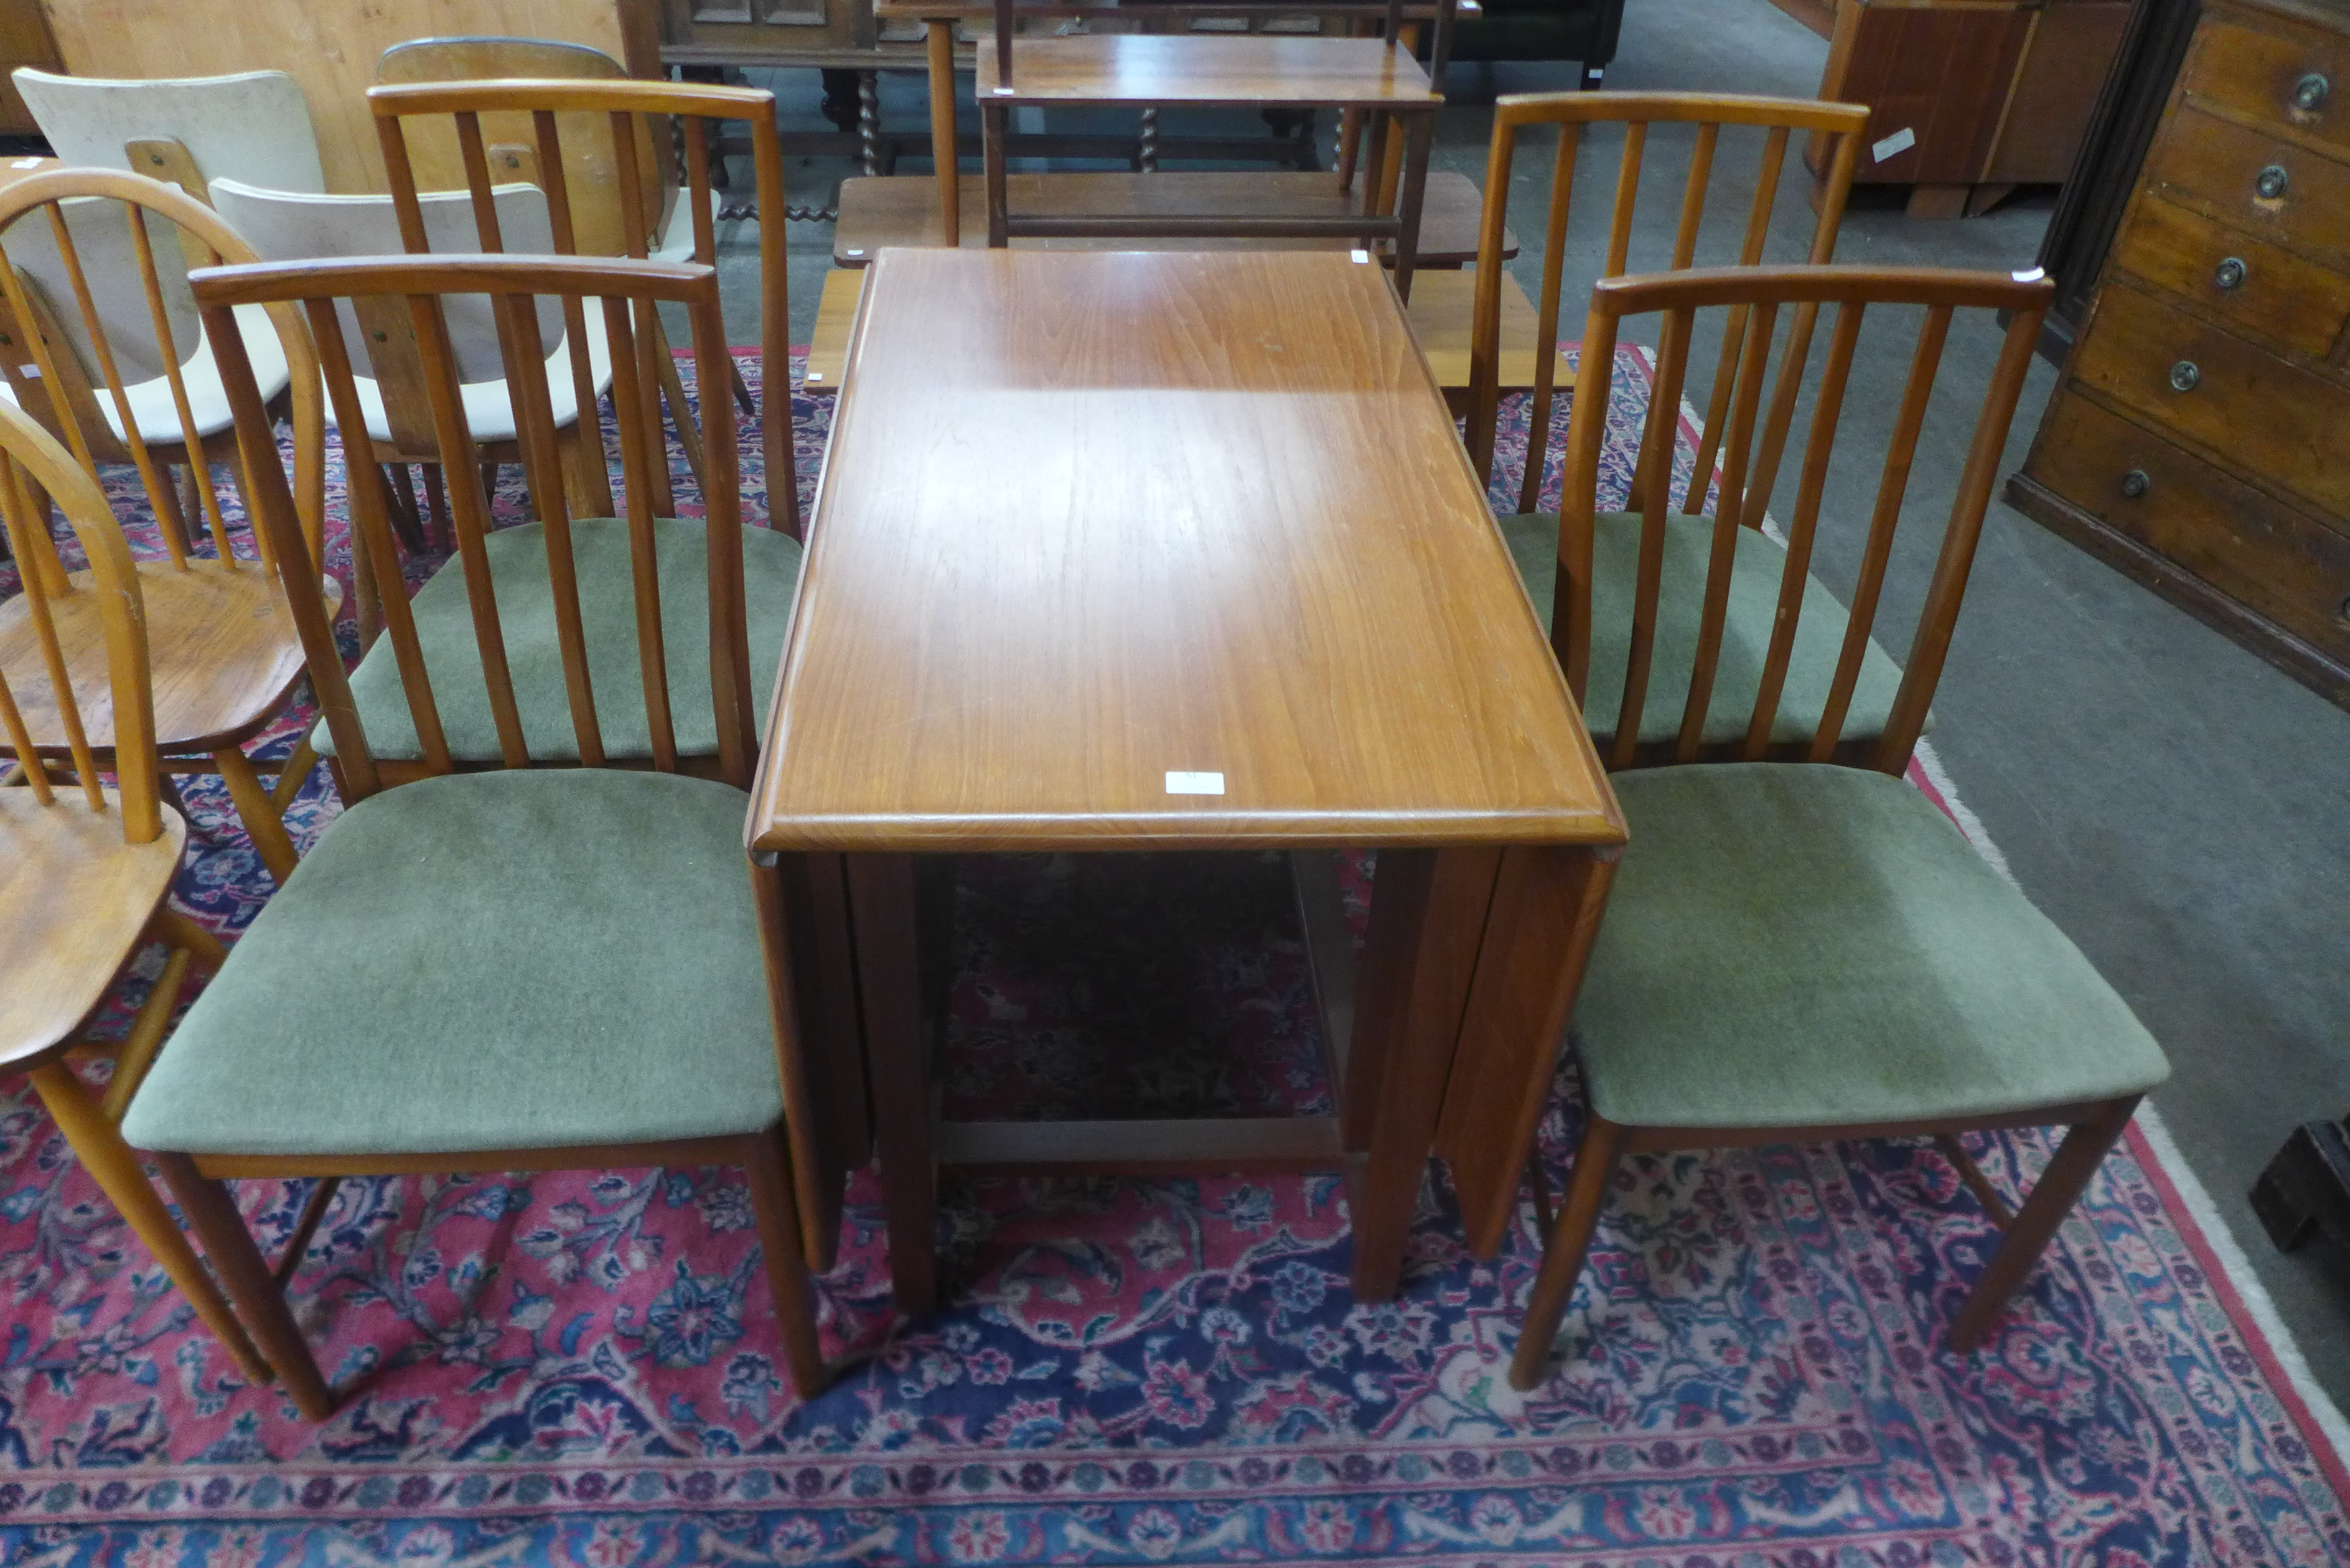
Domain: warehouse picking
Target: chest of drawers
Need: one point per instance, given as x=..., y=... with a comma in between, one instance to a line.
x=2200, y=439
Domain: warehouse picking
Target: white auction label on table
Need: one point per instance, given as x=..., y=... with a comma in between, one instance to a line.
x=1195, y=784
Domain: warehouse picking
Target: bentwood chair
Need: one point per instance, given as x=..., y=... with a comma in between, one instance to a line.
x=99, y=342
x=531, y=969
x=284, y=226
x=1795, y=951
x=562, y=115
x=86, y=873
x=252, y=126
x=1839, y=124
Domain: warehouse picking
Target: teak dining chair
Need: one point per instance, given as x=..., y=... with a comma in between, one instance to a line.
x=1839, y=123
x=86, y=873
x=99, y=342
x=592, y=178
x=1797, y=951
x=536, y=969
x=625, y=106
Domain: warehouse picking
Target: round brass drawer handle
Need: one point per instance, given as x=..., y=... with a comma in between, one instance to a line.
x=2185, y=377
x=2310, y=93
x=2136, y=483
x=2271, y=181
x=2229, y=273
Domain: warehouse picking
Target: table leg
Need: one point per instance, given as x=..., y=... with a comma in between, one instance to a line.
x=941, y=38
x=995, y=122
x=1537, y=941
x=1415, y=186
x=1428, y=914
x=885, y=916
x=812, y=995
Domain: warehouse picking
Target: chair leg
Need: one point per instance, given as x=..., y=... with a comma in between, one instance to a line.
x=2084, y=1147
x=294, y=770
x=1562, y=1264
x=788, y=1278
x=437, y=501
x=115, y=1168
x=743, y=399
x=212, y=1214
x=688, y=435
x=403, y=517
x=254, y=806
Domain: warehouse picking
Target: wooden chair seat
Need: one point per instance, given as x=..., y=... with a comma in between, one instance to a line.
x=1806, y=946
x=518, y=570
x=637, y=1016
x=1753, y=612
x=234, y=655
x=73, y=899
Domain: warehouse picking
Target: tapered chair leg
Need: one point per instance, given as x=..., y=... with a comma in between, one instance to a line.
x=743, y=399
x=1562, y=1264
x=115, y=1168
x=788, y=1278
x=212, y=1214
x=681, y=414
x=257, y=812
x=2084, y=1147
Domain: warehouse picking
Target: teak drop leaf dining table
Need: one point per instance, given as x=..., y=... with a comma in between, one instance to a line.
x=1187, y=557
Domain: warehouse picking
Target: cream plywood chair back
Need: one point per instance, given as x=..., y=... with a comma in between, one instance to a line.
x=252, y=126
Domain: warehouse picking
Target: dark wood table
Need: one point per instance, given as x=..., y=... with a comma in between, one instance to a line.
x=1154, y=551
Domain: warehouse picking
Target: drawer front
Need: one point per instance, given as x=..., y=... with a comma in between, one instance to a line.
x=2301, y=81
x=2267, y=416
x=2205, y=161
x=2268, y=557
x=2256, y=286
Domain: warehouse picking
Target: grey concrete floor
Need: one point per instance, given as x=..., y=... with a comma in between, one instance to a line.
x=2175, y=805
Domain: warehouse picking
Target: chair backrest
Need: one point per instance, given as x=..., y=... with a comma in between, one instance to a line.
x=438, y=162
x=30, y=455
x=624, y=106
x=1837, y=127
x=252, y=126
x=100, y=342
x=422, y=285
x=1759, y=295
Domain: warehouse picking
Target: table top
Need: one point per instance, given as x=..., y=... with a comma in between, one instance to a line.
x=1099, y=530
x=1209, y=68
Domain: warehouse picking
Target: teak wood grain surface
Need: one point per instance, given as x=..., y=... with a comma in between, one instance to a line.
x=1221, y=68
x=1197, y=514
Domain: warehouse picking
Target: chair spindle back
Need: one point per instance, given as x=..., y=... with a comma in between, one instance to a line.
x=635, y=114
x=1757, y=298
x=95, y=289
x=620, y=289
x=30, y=456
x=1836, y=125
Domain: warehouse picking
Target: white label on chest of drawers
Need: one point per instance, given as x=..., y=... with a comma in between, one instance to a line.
x=1195, y=784
x=1900, y=141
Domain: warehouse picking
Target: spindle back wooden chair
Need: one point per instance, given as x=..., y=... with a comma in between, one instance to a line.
x=598, y=995
x=1796, y=950
x=86, y=871
x=636, y=116
x=1721, y=644
x=99, y=343
x=1839, y=124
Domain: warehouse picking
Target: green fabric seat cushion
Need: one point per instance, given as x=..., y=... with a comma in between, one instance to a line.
x=487, y=961
x=517, y=558
x=1755, y=574
x=1788, y=945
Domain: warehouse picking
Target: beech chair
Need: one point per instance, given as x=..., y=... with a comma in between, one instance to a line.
x=591, y=178
x=1799, y=951
x=288, y=225
x=596, y=992
x=99, y=343
x=252, y=126
x=626, y=108
x=86, y=873
x=1839, y=125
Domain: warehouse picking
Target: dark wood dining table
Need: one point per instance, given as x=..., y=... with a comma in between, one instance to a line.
x=1170, y=551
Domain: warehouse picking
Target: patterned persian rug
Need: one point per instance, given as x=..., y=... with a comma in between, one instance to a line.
x=583, y=1369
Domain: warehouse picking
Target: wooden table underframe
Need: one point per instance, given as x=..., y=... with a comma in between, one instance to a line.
x=916, y=718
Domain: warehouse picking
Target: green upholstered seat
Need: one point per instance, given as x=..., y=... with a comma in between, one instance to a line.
x=517, y=556
x=533, y=958
x=1754, y=580
x=1790, y=945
